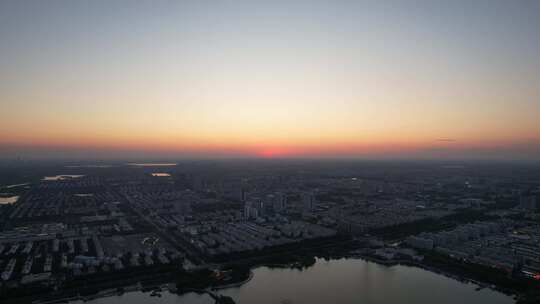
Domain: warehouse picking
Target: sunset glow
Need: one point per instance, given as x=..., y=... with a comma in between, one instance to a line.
x=256, y=79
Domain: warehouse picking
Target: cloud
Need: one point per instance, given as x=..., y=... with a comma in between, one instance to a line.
x=445, y=140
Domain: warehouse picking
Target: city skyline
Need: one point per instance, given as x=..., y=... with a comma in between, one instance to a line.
x=278, y=79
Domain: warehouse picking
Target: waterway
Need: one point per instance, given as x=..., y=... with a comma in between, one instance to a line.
x=344, y=281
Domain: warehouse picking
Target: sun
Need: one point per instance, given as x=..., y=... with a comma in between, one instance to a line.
x=272, y=153
x=267, y=153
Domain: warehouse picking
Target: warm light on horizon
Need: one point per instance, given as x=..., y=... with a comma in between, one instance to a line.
x=306, y=79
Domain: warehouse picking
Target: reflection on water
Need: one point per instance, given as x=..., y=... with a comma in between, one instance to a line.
x=8, y=200
x=61, y=177
x=145, y=298
x=161, y=174
x=346, y=281
x=152, y=164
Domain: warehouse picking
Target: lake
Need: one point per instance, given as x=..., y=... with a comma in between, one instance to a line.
x=344, y=281
x=161, y=174
x=61, y=177
x=6, y=200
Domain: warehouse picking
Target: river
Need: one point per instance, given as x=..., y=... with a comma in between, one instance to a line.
x=343, y=281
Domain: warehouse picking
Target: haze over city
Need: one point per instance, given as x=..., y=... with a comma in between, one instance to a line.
x=270, y=79
x=269, y=152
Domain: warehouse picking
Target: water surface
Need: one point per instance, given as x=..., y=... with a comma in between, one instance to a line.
x=344, y=281
x=16, y=185
x=161, y=174
x=6, y=200
x=61, y=177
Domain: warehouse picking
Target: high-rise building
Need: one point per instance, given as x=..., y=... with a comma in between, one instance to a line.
x=308, y=201
x=280, y=202
x=254, y=208
x=250, y=212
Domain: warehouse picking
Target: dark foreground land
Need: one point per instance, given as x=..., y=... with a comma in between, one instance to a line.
x=81, y=230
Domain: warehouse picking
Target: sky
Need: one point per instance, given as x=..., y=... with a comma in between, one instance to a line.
x=352, y=79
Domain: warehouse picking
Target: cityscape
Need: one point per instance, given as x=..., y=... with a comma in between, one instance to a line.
x=269, y=152
x=199, y=226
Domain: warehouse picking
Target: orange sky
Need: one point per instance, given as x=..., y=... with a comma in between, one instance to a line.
x=270, y=80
